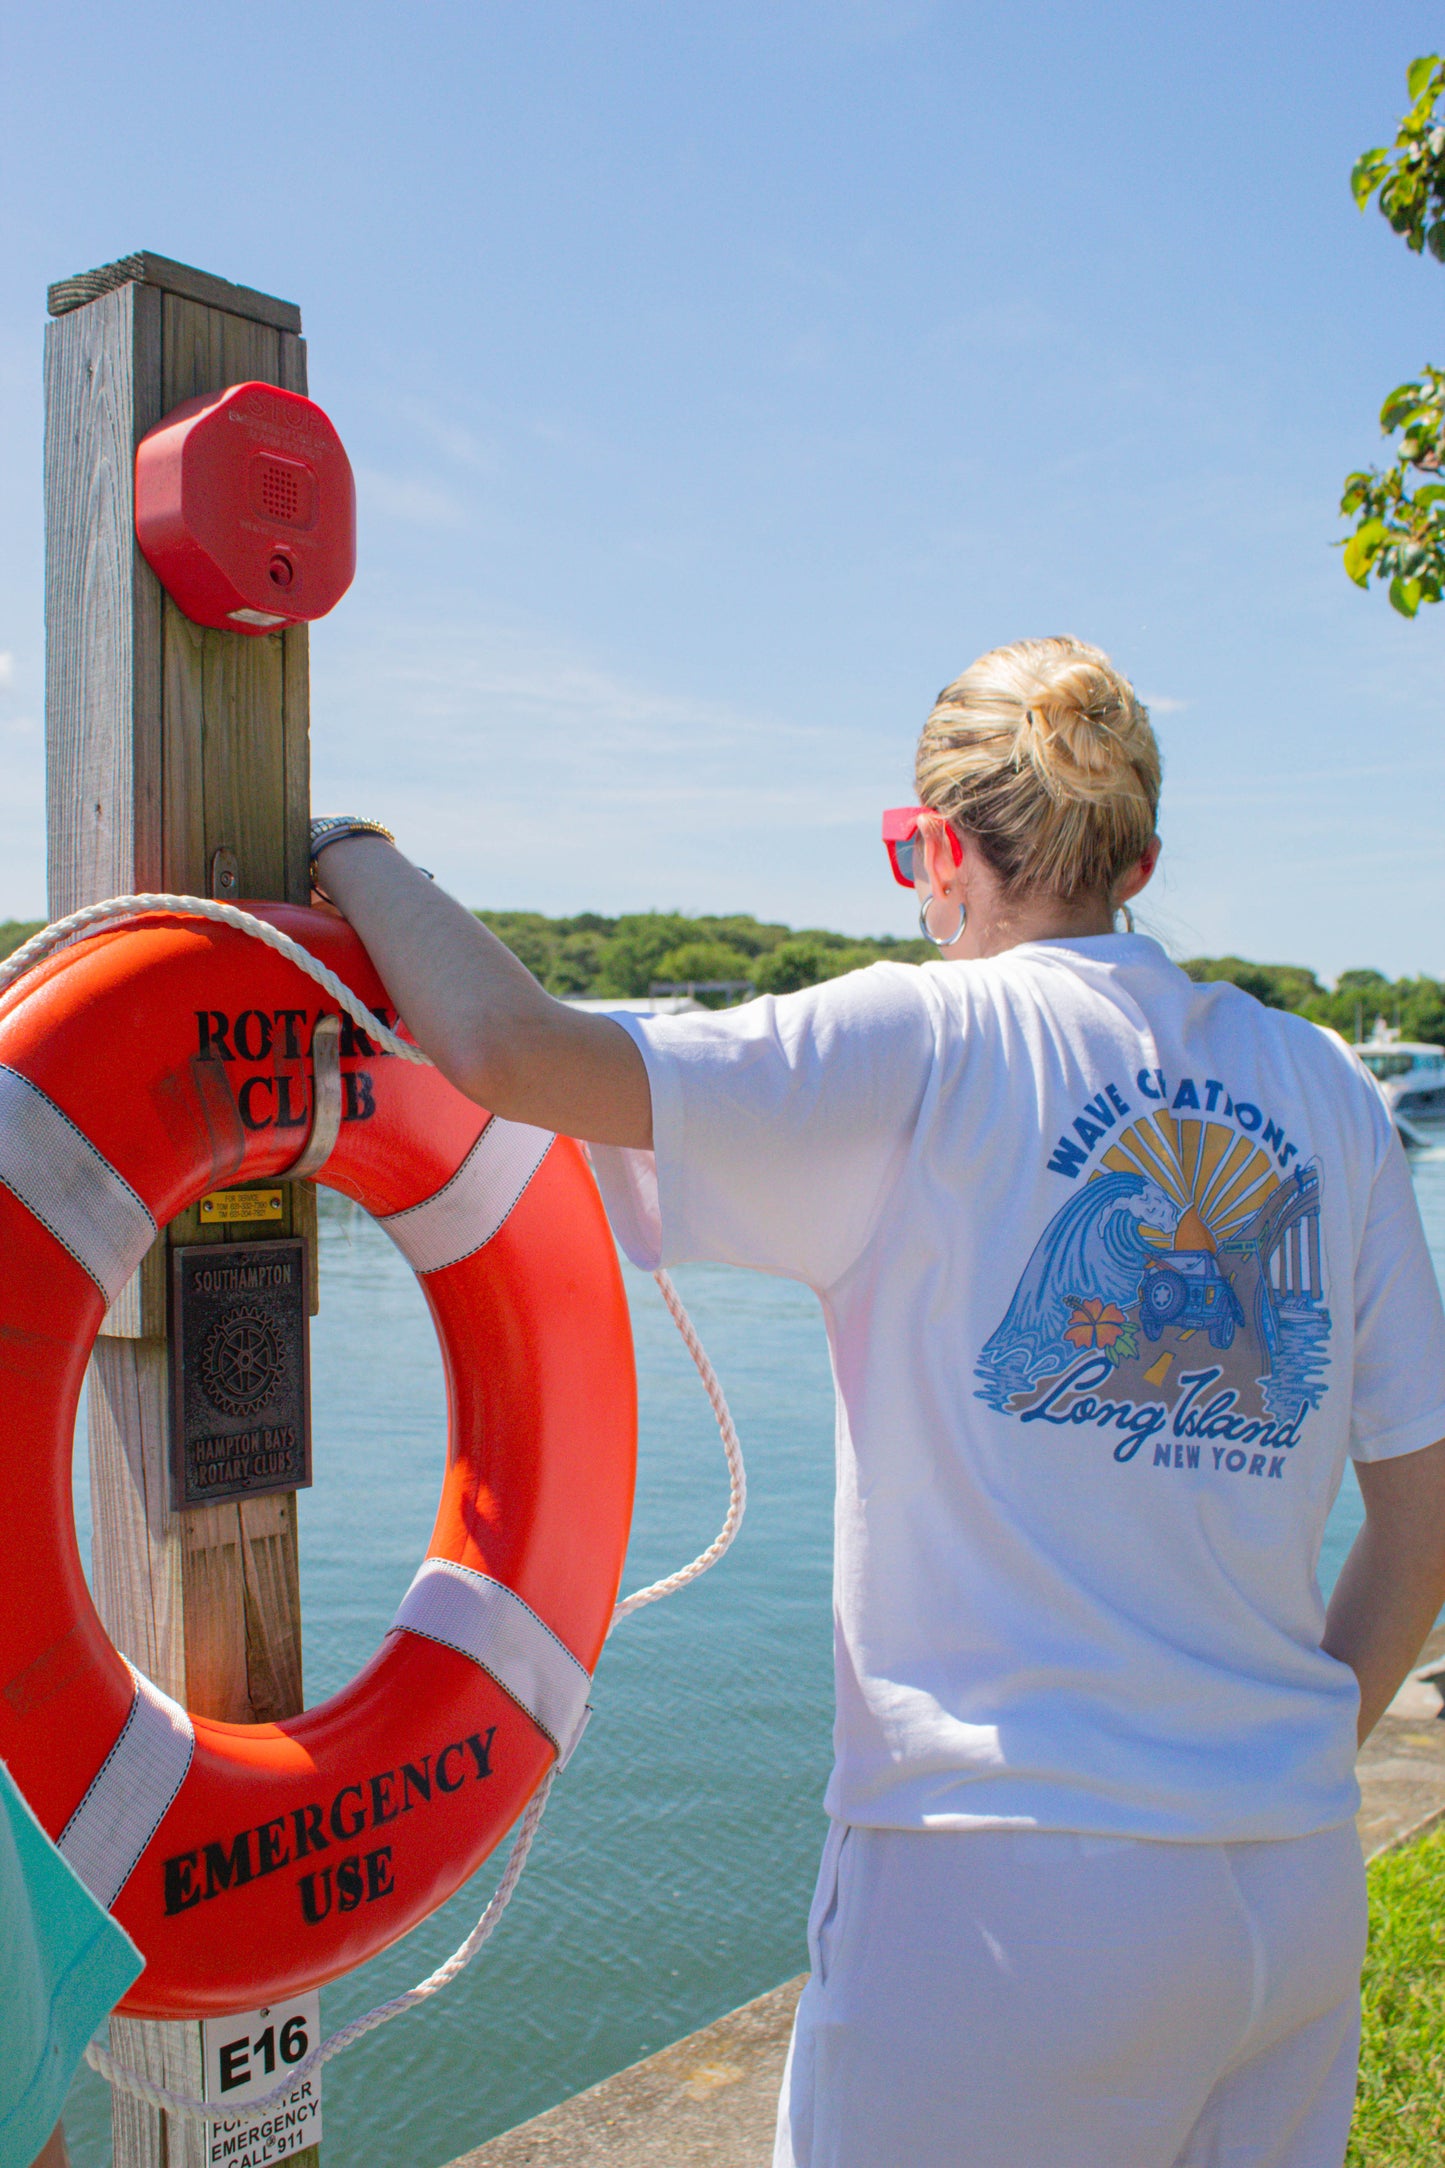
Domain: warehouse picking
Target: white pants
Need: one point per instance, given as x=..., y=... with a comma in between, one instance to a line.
x=1002, y=1999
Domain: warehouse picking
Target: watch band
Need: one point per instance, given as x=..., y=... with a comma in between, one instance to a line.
x=334, y=827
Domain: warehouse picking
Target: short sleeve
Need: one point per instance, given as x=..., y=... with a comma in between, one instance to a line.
x=64, y=1963
x=778, y=1127
x=1399, y=1384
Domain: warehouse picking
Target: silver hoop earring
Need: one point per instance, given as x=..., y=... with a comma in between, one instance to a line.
x=927, y=931
x=1128, y=916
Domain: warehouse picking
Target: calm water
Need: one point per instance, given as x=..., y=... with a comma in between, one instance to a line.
x=671, y=1877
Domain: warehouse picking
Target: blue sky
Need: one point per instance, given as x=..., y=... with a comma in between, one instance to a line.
x=721, y=378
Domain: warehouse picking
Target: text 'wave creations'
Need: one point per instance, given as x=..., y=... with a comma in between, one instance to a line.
x=1178, y=1295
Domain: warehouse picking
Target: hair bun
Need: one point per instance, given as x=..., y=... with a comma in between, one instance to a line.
x=1045, y=753
x=1080, y=731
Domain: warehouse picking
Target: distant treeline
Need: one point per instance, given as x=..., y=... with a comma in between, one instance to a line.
x=625, y=956
x=15, y=930
x=1356, y=999
x=629, y=955
x=600, y=956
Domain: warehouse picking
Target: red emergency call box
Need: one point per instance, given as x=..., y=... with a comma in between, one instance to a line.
x=245, y=509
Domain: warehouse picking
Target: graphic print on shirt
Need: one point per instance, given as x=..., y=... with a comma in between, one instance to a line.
x=1177, y=1295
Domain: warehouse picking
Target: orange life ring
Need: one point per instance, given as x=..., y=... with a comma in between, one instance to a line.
x=254, y=1861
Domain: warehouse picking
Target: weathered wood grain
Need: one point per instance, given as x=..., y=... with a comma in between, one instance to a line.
x=102, y=604
x=171, y=2054
x=103, y=646
x=136, y=1551
x=165, y=743
x=137, y=1577
x=242, y=1609
x=138, y=1312
x=168, y=276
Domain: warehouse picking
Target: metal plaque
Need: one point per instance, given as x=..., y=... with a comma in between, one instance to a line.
x=228, y=1207
x=240, y=1371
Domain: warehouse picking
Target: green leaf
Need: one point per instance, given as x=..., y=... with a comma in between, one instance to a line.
x=1418, y=74
x=1421, y=436
x=1362, y=549
x=1408, y=178
x=1405, y=595
x=1431, y=493
x=1403, y=402
x=1126, y=1346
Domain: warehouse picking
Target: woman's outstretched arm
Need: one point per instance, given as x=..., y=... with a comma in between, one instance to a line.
x=1392, y=1586
x=480, y=1014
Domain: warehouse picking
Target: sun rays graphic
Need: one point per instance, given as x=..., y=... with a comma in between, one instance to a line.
x=1217, y=1178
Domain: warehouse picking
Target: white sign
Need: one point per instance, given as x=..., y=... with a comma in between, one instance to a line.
x=244, y=2057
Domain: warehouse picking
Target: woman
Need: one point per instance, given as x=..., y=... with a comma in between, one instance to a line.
x=1116, y=1270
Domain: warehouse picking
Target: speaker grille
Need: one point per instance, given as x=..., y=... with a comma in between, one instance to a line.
x=283, y=490
x=279, y=491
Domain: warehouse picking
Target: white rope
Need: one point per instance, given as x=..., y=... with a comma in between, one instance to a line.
x=737, y=1473
x=135, y=2082
x=130, y=2080
x=123, y=907
x=123, y=2075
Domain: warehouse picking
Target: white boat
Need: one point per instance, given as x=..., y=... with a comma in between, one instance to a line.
x=1410, y=1073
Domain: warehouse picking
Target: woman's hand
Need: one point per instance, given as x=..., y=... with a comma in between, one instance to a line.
x=1391, y=1589
x=480, y=1014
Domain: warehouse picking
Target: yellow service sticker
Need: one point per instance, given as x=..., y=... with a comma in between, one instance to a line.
x=223, y=1207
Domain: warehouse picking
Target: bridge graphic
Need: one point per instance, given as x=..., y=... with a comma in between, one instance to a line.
x=1273, y=1261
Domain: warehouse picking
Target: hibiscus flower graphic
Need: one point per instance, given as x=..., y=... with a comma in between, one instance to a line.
x=1095, y=1323
x=1102, y=1325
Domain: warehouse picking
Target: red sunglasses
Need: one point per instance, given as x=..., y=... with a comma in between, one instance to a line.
x=900, y=833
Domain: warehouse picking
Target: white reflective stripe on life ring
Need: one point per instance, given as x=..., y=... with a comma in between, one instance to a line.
x=483, y=1619
x=57, y=1173
x=129, y=1795
x=469, y=1209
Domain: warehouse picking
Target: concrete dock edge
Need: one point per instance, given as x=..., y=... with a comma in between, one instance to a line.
x=709, y=2101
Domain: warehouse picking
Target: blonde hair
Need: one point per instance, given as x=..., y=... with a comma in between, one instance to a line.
x=1045, y=755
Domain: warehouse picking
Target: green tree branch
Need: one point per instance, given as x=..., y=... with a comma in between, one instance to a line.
x=1399, y=533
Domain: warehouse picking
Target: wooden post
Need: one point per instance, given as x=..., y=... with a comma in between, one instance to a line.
x=167, y=744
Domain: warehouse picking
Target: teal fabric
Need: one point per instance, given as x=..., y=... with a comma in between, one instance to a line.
x=63, y=1964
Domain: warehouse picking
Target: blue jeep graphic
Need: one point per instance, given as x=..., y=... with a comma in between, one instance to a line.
x=1187, y=1288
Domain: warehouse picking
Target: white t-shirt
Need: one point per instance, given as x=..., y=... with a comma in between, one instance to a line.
x=1116, y=1269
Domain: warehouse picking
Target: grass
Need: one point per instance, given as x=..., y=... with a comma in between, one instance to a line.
x=1400, y=2112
